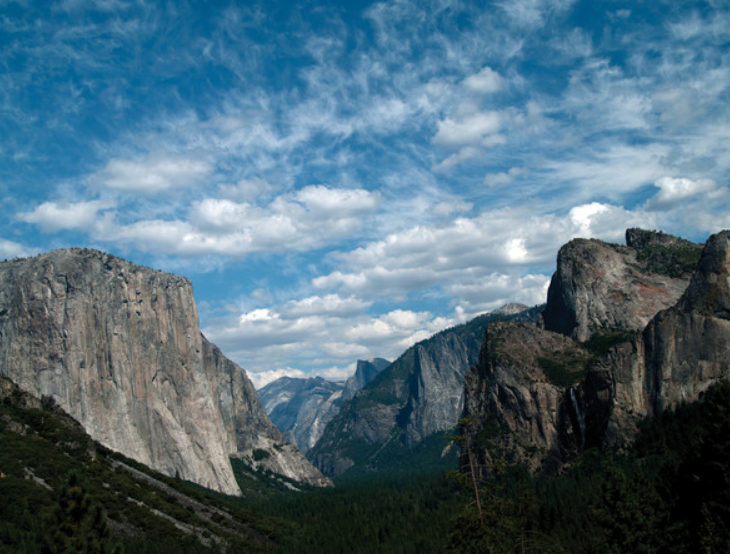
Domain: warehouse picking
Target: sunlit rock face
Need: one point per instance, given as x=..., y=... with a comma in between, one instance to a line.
x=599, y=285
x=119, y=347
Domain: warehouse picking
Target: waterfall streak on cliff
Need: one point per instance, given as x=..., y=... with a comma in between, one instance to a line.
x=578, y=417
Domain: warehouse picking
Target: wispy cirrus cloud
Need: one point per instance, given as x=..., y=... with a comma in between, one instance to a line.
x=153, y=174
x=375, y=172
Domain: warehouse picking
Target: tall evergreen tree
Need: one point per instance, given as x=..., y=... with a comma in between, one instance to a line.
x=78, y=525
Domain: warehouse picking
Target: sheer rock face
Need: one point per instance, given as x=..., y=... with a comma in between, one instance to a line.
x=418, y=394
x=520, y=415
x=675, y=357
x=599, y=285
x=365, y=371
x=119, y=348
x=683, y=351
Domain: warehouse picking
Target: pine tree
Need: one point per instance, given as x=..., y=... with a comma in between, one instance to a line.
x=78, y=525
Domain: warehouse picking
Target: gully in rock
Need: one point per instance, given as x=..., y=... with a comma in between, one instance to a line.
x=578, y=416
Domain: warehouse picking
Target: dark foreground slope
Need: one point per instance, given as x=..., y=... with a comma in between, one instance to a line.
x=142, y=511
x=41, y=447
x=668, y=492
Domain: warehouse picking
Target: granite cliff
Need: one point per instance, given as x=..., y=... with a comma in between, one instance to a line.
x=119, y=348
x=539, y=396
x=599, y=285
x=301, y=408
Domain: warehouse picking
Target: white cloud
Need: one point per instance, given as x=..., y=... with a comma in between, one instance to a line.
x=493, y=291
x=10, y=249
x=55, y=216
x=263, y=378
x=467, y=130
x=448, y=208
x=533, y=13
x=399, y=329
x=247, y=190
x=309, y=218
x=325, y=201
x=487, y=81
x=468, y=249
x=609, y=170
x=331, y=305
x=315, y=336
x=504, y=178
x=155, y=173
x=675, y=191
x=463, y=155
x=336, y=373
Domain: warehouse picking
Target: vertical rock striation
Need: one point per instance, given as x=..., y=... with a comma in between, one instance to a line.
x=681, y=352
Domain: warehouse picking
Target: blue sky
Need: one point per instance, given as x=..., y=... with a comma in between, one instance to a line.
x=342, y=179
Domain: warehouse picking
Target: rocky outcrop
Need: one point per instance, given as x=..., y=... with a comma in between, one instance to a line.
x=521, y=399
x=681, y=353
x=599, y=285
x=119, y=348
x=301, y=408
x=365, y=371
x=418, y=395
x=539, y=400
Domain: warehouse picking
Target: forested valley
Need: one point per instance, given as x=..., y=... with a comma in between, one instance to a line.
x=670, y=492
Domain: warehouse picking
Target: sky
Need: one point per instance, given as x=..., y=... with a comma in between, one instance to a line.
x=341, y=179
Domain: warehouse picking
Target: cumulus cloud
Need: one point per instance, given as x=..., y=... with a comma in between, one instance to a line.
x=494, y=242
x=61, y=216
x=262, y=378
x=321, y=330
x=478, y=264
x=467, y=130
x=305, y=219
x=447, y=208
x=487, y=81
x=493, y=291
x=247, y=190
x=10, y=249
x=331, y=304
x=155, y=173
x=674, y=191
